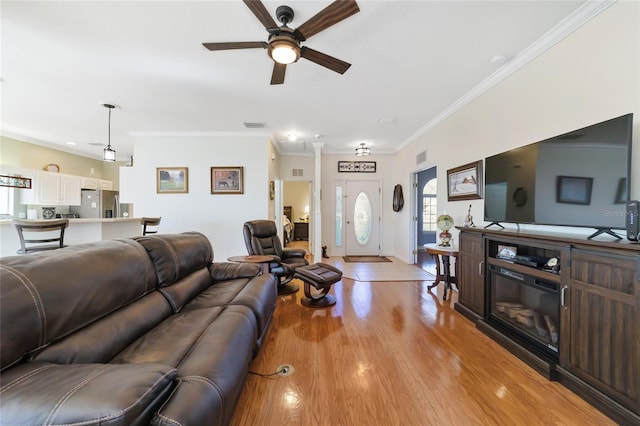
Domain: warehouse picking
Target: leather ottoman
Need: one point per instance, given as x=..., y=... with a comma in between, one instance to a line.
x=322, y=277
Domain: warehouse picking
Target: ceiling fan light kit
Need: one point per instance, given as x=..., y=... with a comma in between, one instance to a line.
x=283, y=45
x=284, y=50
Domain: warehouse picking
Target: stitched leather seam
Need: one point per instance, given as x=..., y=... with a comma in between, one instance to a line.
x=24, y=377
x=169, y=420
x=35, y=296
x=164, y=404
x=119, y=413
x=68, y=395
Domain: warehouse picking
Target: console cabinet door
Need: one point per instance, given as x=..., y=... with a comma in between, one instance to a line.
x=605, y=323
x=471, y=269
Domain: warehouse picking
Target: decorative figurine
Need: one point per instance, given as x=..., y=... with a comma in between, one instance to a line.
x=445, y=222
x=468, y=219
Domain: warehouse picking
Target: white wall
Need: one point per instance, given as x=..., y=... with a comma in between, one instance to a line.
x=590, y=76
x=219, y=217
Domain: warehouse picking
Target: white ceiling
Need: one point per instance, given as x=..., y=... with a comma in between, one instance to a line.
x=411, y=60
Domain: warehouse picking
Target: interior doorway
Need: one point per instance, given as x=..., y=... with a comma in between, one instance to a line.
x=297, y=206
x=426, y=215
x=427, y=206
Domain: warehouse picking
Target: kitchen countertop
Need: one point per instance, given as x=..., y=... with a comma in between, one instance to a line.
x=79, y=231
x=85, y=220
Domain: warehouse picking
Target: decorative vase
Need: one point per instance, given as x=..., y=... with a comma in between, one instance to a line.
x=445, y=239
x=445, y=222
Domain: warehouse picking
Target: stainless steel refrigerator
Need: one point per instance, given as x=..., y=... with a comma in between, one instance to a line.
x=98, y=203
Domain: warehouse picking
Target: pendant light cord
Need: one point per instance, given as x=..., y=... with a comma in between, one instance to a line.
x=109, y=130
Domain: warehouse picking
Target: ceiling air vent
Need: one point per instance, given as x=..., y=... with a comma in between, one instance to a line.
x=297, y=172
x=421, y=157
x=255, y=125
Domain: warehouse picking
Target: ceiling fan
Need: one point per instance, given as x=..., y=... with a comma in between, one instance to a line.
x=284, y=43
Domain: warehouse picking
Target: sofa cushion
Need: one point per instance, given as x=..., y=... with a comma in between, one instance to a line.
x=212, y=349
x=212, y=375
x=258, y=294
x=57, y=293
x=83, y=394
x=181, y=292
x=105, y=338
x=177, y=255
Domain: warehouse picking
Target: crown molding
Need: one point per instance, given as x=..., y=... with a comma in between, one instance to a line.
x=563, y=29
x=199, y=133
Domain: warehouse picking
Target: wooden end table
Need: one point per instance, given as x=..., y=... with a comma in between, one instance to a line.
x=444, y=254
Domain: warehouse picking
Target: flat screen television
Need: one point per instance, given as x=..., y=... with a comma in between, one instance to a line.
x=580, y=178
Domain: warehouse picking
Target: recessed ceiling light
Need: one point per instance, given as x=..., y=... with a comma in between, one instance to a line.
x=72, y=143
x=292, y=136
x=498, y=59
x=388, y=120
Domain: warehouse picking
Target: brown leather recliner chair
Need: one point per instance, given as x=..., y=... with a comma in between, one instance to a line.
x=261, y=238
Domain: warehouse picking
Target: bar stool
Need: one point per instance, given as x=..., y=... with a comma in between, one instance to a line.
x=153, y=222
x=51, y=233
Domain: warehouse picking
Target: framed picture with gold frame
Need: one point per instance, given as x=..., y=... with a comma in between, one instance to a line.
x=227, y=180
x=465, y=182
x=172, y=180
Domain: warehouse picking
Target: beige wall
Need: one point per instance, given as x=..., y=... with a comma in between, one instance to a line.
x=590, y=76
x=296, y=194
x=30, y=156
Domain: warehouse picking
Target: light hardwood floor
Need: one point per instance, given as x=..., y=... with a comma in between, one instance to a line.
x=392, y=353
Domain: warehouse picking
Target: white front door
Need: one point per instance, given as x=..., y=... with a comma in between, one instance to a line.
x=362, y=218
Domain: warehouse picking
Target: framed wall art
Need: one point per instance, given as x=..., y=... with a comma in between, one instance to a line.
x=465, y=182
x=227, y=180
x=15, y=181
x=172, y=180
x=357, y=166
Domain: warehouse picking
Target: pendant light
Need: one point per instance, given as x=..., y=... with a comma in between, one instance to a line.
x=362, y=150
x=109, y=154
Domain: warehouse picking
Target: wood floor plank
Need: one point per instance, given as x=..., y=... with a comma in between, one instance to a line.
x=393, y=353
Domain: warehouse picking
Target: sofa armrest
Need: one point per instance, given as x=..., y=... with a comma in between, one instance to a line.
x=222, y=271
x=84, y=394
x=289, y=253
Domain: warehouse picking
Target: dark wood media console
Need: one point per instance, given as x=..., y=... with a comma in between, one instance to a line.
x=592, y=298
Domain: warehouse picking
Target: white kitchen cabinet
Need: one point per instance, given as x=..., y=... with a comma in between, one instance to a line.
x=57, y=189
x=89, y=183
x=105, y=184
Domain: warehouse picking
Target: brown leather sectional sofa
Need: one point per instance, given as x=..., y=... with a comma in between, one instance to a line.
x=125, y=332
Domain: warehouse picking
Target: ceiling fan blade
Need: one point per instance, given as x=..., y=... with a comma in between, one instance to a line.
x=325, y=60
x=330, y=15
x=236, y=45
x=277, y=77
x=261, y=12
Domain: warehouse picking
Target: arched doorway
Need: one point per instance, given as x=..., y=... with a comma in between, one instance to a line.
x=427, y=207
